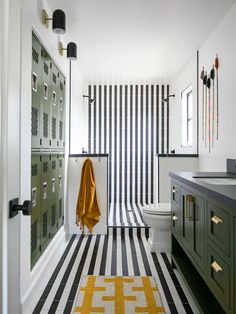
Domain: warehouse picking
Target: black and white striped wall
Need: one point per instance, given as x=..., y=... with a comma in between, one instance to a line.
x=131, y=123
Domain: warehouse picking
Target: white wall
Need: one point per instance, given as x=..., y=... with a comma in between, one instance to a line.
x=186, y=77
x=172, y=164
x=221, y=41
x=79, y=117
x=4, y=14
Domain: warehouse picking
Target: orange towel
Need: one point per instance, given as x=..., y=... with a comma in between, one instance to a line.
x=87, y=210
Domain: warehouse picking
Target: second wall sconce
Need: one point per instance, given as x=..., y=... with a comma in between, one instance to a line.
x=71, y=50
x=58, y=21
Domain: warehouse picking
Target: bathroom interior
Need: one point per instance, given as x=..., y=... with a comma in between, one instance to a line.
x=143, y=92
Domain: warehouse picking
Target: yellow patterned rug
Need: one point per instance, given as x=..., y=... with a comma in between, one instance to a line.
x=118, y=295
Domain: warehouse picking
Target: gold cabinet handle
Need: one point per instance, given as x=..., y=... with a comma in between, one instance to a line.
x=174, y=218
x=189, y=207
x=173, y=193
x=216, y=220
x=216, y=267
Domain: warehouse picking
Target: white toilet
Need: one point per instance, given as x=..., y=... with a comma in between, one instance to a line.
x=158, y=218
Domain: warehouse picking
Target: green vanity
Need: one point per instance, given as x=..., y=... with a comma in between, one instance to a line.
x=203, y=236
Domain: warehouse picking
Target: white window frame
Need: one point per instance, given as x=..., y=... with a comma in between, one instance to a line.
x=185, y=118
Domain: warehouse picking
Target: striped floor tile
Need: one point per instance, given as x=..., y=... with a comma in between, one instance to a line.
x=125, y=215
x=123, y=252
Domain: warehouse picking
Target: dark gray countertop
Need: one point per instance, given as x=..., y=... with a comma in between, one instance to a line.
x=223, y=193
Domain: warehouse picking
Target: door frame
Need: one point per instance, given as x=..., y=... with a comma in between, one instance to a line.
x=4, y=22
x=10, y=156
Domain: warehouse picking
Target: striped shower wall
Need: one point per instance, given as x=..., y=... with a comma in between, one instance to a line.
x=131, y=123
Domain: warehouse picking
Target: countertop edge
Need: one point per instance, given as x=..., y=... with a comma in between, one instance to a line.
x=204, y=188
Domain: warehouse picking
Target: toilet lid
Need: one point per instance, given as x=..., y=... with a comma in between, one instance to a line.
x=157, y=209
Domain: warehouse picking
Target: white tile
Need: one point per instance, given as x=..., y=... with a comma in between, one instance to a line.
x=178, y=304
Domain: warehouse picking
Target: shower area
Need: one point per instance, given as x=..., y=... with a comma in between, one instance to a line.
x=131, y=124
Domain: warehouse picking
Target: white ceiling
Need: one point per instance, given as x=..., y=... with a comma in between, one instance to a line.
x=138, y=40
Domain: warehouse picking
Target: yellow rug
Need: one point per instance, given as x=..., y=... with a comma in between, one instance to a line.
x=118, y=295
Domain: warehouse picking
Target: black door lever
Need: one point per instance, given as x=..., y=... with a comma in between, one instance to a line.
x=14, y=207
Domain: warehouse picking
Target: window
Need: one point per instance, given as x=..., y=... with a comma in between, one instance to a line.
x=187, y=117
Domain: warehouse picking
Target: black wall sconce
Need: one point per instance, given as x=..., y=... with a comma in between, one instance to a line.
x=58, y=21
x=71, y=50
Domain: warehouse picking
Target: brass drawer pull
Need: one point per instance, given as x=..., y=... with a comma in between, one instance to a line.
x=174, y=218
x=216, y=267
x=173, y=193
x=216, y=220
x=189, y=207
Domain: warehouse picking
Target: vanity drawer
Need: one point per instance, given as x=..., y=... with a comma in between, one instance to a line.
x=175, y=193
x=218, y=227
x=218, y=272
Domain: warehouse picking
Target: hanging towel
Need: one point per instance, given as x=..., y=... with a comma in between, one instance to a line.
x=87, y=210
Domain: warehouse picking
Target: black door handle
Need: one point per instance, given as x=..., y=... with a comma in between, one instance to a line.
x=14, y=207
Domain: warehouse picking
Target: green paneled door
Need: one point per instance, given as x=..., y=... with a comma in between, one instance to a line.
x=198, y=250
x=36, y=207
x=36, y=94
x=54, y=100
x=46, y=112
x=193, y=221
x=45, y=207
x=187, y=218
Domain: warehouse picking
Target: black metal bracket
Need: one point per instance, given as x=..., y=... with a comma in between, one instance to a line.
x=14, y=207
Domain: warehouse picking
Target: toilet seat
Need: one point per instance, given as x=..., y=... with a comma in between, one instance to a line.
x=162, y=209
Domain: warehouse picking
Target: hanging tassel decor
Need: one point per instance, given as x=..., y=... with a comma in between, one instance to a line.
x=217, y=96
x=205, y=113
x=203, y=107
x=212, y=76
x=209, y=112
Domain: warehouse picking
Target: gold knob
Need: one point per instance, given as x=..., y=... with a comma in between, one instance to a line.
x=174, y=218
x=216, y=220
x=216, y=267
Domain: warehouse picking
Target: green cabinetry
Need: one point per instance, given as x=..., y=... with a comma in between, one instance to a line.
x=45, y=208
x=37, y=92
x=61, y=112
x=45, y=99
x=192, y=225
x=175, y=207
x=203, y=246
x=36, y=179
x=47, y=144
x=60, y=160
x=54, y=103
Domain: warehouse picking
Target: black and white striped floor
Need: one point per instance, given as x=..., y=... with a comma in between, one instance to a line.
x=123, y=252
x=125, y=215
